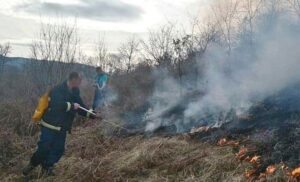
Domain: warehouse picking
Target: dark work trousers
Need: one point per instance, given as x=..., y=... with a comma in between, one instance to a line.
x=51, y=147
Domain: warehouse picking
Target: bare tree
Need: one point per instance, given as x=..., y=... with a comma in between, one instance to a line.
x=128, y=51
x=53, y=53
x=159, y=47
x=114, y=63
x=275, y=6
x=205, y=33
x=251, y=9
x=180, y=48
x=5, y=49
x=225, y=13
x=101, y=53
x=295, y=6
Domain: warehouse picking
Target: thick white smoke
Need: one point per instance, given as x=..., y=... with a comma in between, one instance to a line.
x=236, y=82
x=275, y=66
x=166, y=95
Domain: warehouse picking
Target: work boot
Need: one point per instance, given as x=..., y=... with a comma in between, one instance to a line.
x=46, y=172
x=28, y=169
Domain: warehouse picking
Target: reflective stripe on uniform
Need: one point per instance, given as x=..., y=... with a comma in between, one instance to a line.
x=43, y=123
x=69, y=106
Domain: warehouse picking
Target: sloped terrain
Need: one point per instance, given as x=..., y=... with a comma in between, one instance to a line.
x=110, y=150
x=92, y=156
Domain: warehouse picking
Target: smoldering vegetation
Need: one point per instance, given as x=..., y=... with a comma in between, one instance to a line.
x=252, y=72
x=235, y=72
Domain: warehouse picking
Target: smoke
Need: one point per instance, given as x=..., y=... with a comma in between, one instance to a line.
x=165, y=96
x=110, y=96
x=253, y=71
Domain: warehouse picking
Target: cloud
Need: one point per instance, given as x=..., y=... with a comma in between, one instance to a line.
x=102, y=10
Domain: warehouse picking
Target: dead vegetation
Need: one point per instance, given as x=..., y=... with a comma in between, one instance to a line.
x=92, y=156
x=98, y=151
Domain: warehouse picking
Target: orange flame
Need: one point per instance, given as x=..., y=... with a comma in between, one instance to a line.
x=255, y=159
x=241, y=152
x=271, y=169
x=296, y=172
x=222, y=141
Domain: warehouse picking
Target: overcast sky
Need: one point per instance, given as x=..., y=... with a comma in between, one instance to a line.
x=117, y=19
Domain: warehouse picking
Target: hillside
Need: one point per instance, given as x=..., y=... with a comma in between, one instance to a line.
x=214, y=99
x=92, y=157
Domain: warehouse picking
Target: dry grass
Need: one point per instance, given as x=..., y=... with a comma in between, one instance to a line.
x=92, y=156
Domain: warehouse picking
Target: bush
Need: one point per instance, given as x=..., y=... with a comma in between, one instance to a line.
x=133, y=88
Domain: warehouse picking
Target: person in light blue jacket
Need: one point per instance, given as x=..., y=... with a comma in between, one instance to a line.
x=100, y=85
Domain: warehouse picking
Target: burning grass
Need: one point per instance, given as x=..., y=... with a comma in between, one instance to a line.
x=254, y=173
x=247, y=151
x=267, y=139
x=93, y=156
x=296, y=172
x=101, y=152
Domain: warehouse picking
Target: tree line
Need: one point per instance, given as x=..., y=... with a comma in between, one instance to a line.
x=174, y=49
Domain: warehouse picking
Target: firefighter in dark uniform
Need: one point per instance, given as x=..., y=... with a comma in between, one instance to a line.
x=64, y=104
